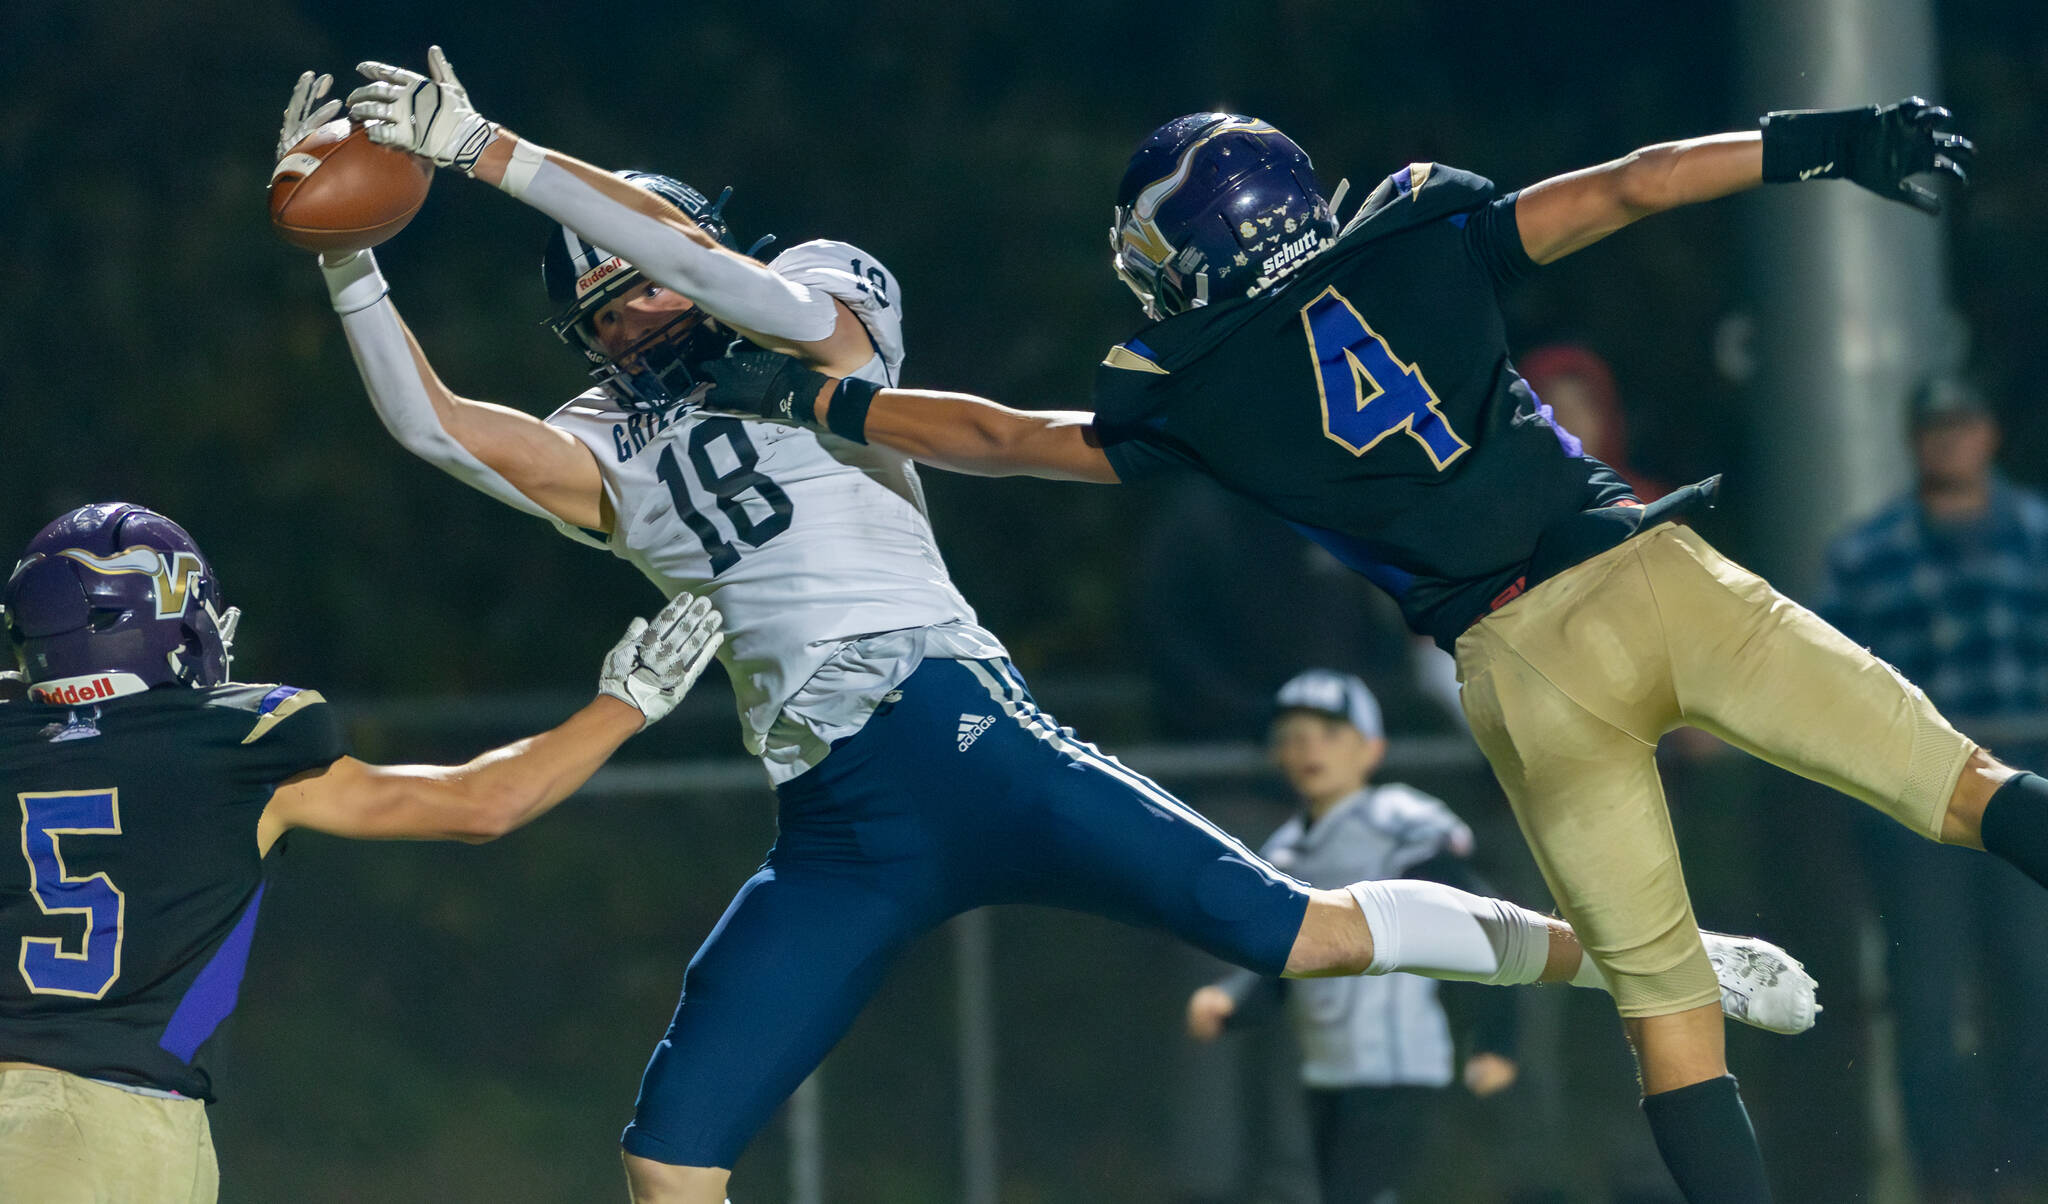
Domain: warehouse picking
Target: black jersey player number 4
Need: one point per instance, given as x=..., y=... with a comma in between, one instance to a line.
x=1349, y=355
x=727, y=488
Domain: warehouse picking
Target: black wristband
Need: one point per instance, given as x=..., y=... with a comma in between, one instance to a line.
x=803, y=403
x=848, y=417
x=1810, y=144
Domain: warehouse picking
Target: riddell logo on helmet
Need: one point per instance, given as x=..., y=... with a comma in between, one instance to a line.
x=73, y=691
x=599, y=274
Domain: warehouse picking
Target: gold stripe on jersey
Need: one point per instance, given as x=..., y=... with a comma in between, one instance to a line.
x=1121, y=356
x=281, y=712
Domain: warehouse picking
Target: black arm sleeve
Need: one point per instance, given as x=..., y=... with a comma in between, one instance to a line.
x=1486, y=1014
x=1495, y=240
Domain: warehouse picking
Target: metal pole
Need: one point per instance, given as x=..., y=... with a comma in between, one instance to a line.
x=807, y=1142
x=979, y=1176
x=1851, y=309
x=1850, y=290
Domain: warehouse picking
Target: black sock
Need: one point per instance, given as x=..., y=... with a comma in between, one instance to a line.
x=2016, y=824
x=1703, y=1132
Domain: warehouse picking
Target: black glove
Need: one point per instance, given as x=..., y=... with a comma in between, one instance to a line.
x=1877, y=147
x=764, y=383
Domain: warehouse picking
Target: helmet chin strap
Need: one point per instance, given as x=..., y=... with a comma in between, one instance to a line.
x=1337, y=198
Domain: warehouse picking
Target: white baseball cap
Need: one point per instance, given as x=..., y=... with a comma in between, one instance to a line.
x=1338, y=695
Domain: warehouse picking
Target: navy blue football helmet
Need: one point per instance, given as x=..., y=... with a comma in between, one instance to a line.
x=1214, y=206
x=656, y=370
x=115, y=588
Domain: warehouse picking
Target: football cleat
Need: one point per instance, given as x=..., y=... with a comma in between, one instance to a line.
x=1762, y=985
x=1215, y=206
x=115, y=588
x=657, y=370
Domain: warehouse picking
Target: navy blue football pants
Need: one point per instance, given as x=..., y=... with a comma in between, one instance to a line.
x=958, y=794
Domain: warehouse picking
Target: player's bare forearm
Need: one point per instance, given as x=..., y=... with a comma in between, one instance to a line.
x=1570, y=212
x=963, y=433
x=509, y=787
x=496, y=793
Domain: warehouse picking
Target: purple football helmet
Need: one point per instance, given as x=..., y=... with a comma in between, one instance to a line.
x=1215, y=206
x=115, y=588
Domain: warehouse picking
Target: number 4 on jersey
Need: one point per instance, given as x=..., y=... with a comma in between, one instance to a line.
x=1350, y=356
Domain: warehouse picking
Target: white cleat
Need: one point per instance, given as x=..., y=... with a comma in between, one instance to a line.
x=1762, y=985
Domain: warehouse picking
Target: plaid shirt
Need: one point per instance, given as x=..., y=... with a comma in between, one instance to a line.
x=1960, y=608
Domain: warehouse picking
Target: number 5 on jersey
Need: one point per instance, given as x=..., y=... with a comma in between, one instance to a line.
x=47, y=967
x=1350, y=356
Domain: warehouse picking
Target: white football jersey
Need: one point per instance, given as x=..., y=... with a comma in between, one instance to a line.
x=808, y=544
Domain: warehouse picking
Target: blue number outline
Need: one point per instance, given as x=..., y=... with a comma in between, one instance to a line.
x=1362, y=375
x=94, y=886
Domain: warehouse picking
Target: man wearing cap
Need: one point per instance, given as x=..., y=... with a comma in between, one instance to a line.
x=1376, y=1052
x=1950, y=584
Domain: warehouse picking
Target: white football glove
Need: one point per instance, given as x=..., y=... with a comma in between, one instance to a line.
x=300, y=117
x=425, y=115
x=657, y=663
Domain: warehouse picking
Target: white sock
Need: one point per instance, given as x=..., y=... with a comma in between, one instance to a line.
x=1437, y=931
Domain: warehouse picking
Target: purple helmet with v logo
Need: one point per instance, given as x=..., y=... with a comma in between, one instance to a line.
x=1215, y=206
x=117, y=590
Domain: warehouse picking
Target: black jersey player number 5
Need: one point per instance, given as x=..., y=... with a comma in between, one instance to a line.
x=46, y=964
x=728, y=489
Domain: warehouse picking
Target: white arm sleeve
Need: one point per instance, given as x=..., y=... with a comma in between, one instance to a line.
x=732, y=288
x=384, y=357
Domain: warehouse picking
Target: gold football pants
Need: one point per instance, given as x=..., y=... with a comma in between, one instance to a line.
x=69, y=1140
x=1569, y=687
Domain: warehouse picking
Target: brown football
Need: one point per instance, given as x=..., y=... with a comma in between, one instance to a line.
x=338, y=191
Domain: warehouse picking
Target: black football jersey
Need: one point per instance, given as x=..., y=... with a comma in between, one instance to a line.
x=1369, y=401
x=128, y=906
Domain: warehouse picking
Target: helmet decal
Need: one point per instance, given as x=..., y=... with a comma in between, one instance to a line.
x=1149, y=200
x=174, y=577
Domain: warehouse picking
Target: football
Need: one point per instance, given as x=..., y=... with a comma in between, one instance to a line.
x=336, y=190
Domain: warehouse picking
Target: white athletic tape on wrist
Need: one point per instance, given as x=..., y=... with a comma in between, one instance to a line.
x=355, y=283
x=526, y=160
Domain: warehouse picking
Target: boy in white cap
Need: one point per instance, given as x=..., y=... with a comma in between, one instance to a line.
x=1376, y=1052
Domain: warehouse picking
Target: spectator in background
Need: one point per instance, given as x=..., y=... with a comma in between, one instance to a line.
x=1578, y=388
x=1376, y=1052
x=1950, y=584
